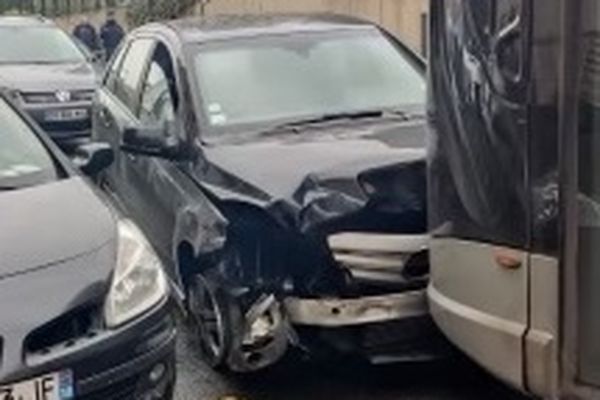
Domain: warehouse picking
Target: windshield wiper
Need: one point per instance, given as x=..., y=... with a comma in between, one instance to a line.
x=336, y=117
x=295, y=126
x=41, y=62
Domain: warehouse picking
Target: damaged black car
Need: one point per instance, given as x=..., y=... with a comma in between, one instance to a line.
x=278, y=164
x=84, y=301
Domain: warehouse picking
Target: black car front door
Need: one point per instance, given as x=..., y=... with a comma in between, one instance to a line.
x=159, y=180
x=117, y=110
x=156, y=190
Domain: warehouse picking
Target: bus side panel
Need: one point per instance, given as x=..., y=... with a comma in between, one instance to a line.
x=541, y=341
x=493, y=184
x=486, y=318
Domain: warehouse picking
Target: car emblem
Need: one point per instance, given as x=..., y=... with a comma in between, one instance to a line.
x=63, y=96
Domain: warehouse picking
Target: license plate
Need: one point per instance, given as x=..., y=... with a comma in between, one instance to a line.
x=57, y=386
x=66, y=115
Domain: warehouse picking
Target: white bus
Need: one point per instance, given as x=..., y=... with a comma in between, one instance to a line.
x=514, y=188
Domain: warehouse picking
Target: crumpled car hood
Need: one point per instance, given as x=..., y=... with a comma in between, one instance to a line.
x=47, y=77
x=47, y=224
x=323, y=176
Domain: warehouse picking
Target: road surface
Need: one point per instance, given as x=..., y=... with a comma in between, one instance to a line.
x=303, y=380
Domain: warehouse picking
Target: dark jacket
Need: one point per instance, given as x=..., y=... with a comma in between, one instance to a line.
x=86, y=33
x=111, y=34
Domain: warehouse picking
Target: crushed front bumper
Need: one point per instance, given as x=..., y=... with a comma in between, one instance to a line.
x=337, y=312
x=380, y=311
x=385, y=316
x=381, y=329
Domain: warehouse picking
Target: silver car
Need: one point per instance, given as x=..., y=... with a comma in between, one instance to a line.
x=49, y=75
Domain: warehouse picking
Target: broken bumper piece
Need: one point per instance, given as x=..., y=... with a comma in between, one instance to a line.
x=336, y=312
x=379, y=329
x=382, y=258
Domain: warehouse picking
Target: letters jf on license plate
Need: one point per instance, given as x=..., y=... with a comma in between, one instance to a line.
x=57, y=386
x=72, y=114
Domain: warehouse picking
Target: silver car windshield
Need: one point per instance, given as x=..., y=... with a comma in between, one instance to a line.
x=24, y=161
x=37, y=45
x=288, y=77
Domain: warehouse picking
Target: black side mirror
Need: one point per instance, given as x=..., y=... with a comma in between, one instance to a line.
x=152, y=142
x=92, y=158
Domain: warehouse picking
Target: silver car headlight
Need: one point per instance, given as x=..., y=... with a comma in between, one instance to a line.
x=139, y=282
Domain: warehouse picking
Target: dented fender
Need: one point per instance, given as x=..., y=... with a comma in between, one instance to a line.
x=202, y=227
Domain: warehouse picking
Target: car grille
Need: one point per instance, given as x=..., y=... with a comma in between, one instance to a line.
x=122, y=390
x=384, y=258
x=65, y=331
x=74, y=96
x=67, y=126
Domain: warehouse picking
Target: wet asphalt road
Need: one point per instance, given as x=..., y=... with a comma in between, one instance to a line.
x=297, y=379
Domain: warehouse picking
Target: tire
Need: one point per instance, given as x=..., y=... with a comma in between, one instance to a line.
x=219, y=324
x=210, y=306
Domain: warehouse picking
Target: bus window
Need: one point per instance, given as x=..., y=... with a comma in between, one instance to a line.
x=589, y=199
x=481, y=122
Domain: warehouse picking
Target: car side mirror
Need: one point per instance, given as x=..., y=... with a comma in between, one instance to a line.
x=153, y=142
x=93, y=158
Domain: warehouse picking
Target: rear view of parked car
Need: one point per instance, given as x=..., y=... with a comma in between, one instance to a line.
x=49, y=76
x=84, y=301
x=278, y=161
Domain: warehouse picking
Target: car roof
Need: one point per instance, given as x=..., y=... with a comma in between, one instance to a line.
x=238, y=26
x=24, y=21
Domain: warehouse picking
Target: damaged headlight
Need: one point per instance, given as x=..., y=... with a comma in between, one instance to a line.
x=139, y=282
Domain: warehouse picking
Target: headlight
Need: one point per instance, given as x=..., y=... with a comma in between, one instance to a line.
x=139, y=282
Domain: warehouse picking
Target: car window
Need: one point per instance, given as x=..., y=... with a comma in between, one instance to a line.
x=130, y=73
x=38, y=45
x=262, y=80
x=110, y=79
x=24, y=161
x=159, y=91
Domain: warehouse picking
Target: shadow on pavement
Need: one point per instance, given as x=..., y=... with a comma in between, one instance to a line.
x=297, y=378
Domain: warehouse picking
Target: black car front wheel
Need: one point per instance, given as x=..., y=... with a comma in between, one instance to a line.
x=239, y=329
x=210, y=307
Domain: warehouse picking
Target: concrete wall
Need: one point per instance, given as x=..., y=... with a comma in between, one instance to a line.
x=401, y=17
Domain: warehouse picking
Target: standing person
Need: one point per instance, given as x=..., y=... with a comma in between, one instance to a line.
x=111, y=34
x=86, y=33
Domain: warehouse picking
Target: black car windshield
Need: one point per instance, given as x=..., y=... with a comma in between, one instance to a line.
x=37, y=45
x=290, y=77
x=24, y=161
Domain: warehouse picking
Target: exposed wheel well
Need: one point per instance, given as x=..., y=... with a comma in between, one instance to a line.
x=187, y=264
x=260, y=251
